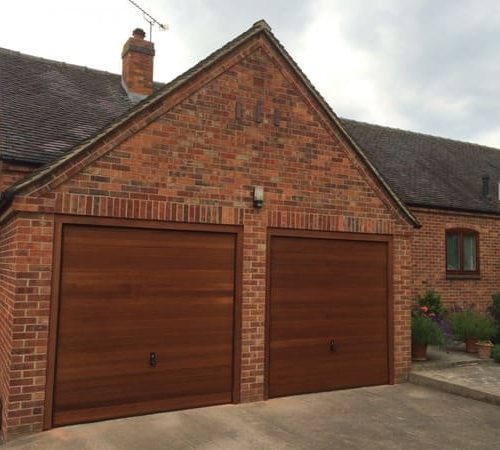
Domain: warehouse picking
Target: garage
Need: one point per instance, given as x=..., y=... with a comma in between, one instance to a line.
x=328, y=312
x=146, y=321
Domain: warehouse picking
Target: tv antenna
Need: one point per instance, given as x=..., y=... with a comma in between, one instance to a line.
x=150, y=19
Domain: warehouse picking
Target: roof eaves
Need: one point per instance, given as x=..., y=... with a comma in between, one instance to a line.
x=456, y=209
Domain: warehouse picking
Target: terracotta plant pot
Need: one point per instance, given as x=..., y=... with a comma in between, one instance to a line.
x=471, y=345
x=418, y=352
x=484, y=349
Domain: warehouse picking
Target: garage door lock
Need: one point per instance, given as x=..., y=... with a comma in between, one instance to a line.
x=333, y=346
x=152, y=359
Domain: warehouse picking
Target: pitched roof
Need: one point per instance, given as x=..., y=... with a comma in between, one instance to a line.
x=48, y=107
x=431, y=171
x=259, y=27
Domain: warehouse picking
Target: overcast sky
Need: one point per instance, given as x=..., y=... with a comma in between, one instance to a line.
x=424, y=65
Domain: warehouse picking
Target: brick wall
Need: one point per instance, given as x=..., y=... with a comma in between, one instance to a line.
x=403, y=290
x=429, y=256
x=25, y=289
x=192, y=160
x=7, y=255
x=10, y=173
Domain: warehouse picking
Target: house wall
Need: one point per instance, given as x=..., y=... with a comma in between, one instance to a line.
x=25, y=272
x=6, y=311
x=194, y=162
x=429, y=258
x=11, y=172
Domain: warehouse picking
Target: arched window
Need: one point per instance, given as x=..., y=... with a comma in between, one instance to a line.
x=462, y=253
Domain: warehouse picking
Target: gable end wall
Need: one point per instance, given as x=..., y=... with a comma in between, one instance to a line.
x=196, y=163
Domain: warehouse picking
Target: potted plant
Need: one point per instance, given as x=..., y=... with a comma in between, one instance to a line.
x=484, y=349
x=433, y=302
x=495, y=354
x=494, y=312
x=424, y=331
x=470, y=327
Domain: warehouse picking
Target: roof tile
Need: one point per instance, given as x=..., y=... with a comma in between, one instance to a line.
x=48, y=107
x=430, y=171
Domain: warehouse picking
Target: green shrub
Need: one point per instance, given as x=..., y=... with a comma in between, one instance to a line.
x=425, y=331
x=495, y=353
x=494, y=311
x=469, y=324
x=433, y=301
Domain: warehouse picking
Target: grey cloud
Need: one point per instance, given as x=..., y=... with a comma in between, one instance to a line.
x=204, y=23
x=440, y=52
x=428, y=53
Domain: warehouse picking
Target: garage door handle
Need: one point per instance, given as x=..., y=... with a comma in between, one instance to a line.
x=333, y=346
x=152, y=359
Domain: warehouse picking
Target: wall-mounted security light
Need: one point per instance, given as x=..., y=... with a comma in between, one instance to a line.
x=258, y=196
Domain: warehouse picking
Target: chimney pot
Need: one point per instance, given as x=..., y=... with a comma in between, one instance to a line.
x=139, y=33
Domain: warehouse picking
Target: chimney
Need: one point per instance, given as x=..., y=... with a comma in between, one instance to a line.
x=486, y=187
x=137, y=66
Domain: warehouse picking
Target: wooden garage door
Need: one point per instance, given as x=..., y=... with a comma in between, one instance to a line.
x=325, y=290
x=145, y=322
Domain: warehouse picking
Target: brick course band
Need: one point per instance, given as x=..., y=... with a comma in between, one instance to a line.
x=130, y=47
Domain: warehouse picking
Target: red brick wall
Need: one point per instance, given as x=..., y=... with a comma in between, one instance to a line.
x=193, y=161
x=7, y=255
x=429, y=257
x=402, y=286
x=11, y=173
x=25, y=289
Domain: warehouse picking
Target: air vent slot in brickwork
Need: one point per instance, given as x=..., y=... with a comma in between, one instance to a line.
x=258, y=112
x=276, y=117
x=239, y=111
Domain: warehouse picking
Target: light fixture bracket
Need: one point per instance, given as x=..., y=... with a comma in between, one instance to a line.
x=258, y=197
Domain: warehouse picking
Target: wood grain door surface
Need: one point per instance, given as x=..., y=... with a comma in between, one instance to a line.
x=146, y=322
x=323, y=290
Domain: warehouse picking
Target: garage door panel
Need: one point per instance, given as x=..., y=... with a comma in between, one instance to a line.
x=214, y=308
x=296, y=291
x=82, y=283
x=126, y=410
x=200, y=345
x=175, y=383
x=195, y=382
x=128, y=292
x=347, y=375
x=90, y=362
x=291, y=323
x=115, y=264
x=142, y=287
x=324, y=289
x=295, y=306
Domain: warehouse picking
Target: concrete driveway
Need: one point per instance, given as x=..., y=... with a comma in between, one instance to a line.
x=385, y=417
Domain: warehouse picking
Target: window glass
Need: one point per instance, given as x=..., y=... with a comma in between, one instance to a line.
x=469, y=252
x=452, y=252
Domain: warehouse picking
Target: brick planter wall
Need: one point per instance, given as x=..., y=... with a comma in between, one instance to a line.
x=191, y=160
